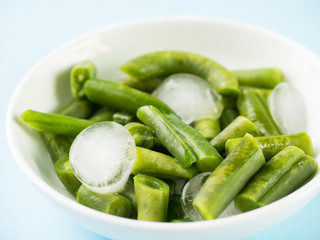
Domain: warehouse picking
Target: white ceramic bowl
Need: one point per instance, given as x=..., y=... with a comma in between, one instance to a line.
x=234, y=45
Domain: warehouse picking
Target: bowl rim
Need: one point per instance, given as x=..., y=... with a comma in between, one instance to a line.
x=312, y=187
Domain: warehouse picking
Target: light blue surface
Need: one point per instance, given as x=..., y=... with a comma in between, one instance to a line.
x=29, y=30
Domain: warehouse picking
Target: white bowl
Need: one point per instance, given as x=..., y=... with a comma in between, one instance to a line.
x=234, y=45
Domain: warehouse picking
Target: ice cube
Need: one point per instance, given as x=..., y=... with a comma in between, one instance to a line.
x=230, y=211
x=189, y=192
x=288, y=108
x=102, y=157
x=190, y=96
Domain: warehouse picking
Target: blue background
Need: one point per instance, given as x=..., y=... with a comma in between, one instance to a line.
x=29, y=30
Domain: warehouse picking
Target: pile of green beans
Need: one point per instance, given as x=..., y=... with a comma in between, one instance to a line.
x=250, y=160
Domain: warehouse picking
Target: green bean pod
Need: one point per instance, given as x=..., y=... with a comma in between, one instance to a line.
x=78, y=108
x=209, y=128
x=253, y=105
x=160, y=165
x=152, y=198
x=121, y=97
x=169, y=137
x=55, y=123
x=148, y=85
x=227, y=116
x=226, y=181
x=262, y=77
x=271, y=145
x=111, y=203
x=128, y=192
x=63, y=170
x=143, y=135
x=165, y=63
x=80, y=73
x=283, y=174
x=123, y=117
x=207, y=156
x=237, y=128
x=102, y=114
x=175, y=210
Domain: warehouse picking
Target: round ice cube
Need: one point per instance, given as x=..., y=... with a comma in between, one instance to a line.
x=288, y=109
x=102, y=157
x=190, y=96
x=189, y=192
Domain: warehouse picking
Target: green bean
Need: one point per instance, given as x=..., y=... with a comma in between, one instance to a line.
x=169, y=137
x=142, y=134
x=172, y=185
x=162, y=64
x=160, y=165
x=180, y=220
x=80, y=73
x=147, y=85
x=154, y=207
x=70, y=181
x=55, y=123
x=103, y=114
x=283, y=174
x=207, y=156
x=229, y=178
x=227, y=116
x=229, y=102
x=209, y=128
x=237, y=128
x=121, y=97
x=262, y=78
x=128, y=192
x=175, y=210
x=111, y=203
x=253, y=105
x=78, y=108
x=123, y=117
x=271, y=145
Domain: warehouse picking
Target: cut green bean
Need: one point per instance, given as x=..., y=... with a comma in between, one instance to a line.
x=273, y=144
x=128, y=192
x=154, y=207
x=253, y=105
x=55, y=123
x=123, y=117
x=66, y=176
x=148, y=85
x=121, y=97
x=160, y=165
x=111, y=203
x=167, y=135
x=142, y=134
x=175, y=210
x=162, y=64
x=103, y=114
x=207, y=156
x=283, y=174
x=229, y=178
x=227, y=116
x=78, y=108
x=237, y=128
x=209, y=128
x=262, y=78
x=80, y=73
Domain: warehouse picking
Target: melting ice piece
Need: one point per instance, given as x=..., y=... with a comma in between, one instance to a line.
x=189, y=192
x=230, y=211
x=191, y=97
x=102, y=157
x=288, y=109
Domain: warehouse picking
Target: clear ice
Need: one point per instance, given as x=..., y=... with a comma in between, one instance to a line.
x=191, y=97
x=102, y=157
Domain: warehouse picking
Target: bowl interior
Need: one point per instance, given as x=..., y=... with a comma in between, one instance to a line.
x=234, y=45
